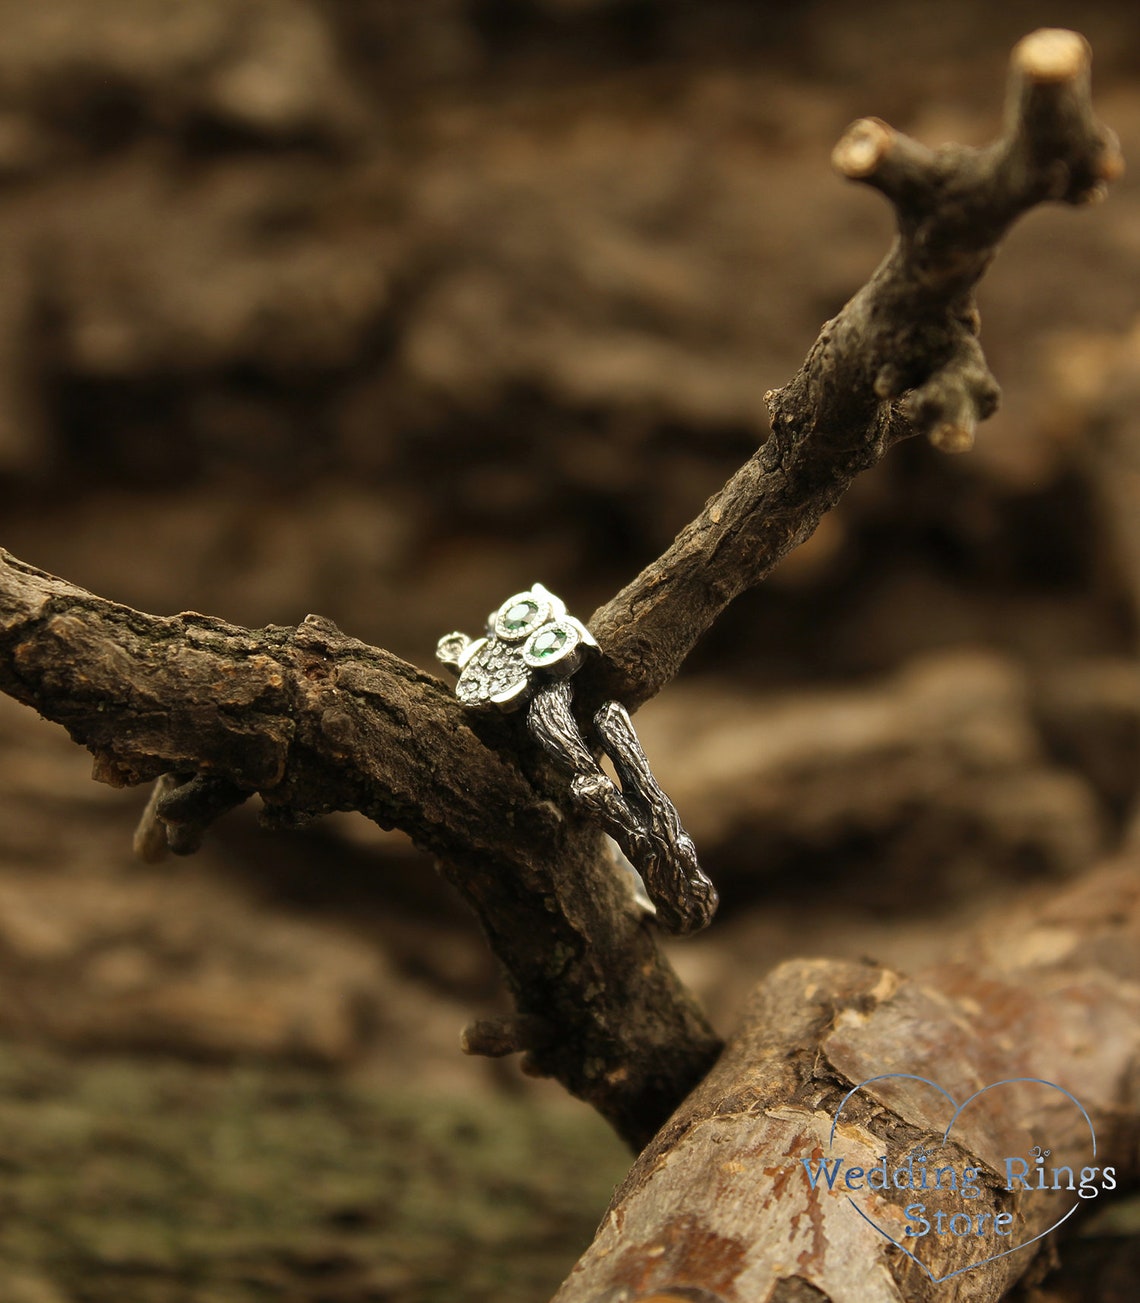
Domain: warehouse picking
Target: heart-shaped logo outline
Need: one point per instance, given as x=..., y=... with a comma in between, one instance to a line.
x=1009, y=1081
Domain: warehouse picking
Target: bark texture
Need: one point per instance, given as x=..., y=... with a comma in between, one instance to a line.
x=719, y=1208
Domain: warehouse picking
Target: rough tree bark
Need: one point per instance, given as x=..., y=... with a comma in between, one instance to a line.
x=719, y=1207
x=315, y=721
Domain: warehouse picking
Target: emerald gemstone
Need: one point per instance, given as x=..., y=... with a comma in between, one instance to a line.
x=548, y=643
x=520, y=615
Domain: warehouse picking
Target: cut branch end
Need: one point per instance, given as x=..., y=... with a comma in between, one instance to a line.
x=494, y=1038
x=952, y=438
x=1052, y=54
x=862, y=148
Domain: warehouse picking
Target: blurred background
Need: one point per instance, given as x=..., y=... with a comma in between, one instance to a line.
x=385, y=309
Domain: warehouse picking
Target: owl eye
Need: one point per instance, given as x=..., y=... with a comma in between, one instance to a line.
x=550, y=644
x=520, y=616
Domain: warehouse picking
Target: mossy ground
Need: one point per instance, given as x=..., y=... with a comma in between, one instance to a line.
x=160, y=1182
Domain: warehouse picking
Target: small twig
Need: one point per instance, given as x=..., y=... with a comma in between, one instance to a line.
x=180, y=809
x=510, y=1034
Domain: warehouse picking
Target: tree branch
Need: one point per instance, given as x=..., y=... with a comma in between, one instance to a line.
x=902, y=358
x=317, y=721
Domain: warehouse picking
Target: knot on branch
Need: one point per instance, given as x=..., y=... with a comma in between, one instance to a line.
x=954, y=399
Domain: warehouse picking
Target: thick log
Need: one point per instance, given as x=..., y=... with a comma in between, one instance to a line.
x=719, y=1208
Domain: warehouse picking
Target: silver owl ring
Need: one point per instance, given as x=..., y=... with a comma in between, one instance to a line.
x=527, y=657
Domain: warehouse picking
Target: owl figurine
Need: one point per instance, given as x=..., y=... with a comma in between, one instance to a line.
x=530, y=640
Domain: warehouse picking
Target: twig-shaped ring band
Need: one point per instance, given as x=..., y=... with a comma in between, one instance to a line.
x=531, y=649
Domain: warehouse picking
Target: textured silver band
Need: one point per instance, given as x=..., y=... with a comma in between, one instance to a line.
x=531, y=650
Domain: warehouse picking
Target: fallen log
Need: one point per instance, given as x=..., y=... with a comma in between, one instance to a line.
x=739, y=1198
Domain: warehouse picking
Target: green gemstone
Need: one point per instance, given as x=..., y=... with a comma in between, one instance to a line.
x=548, y=643
x=519, y=616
